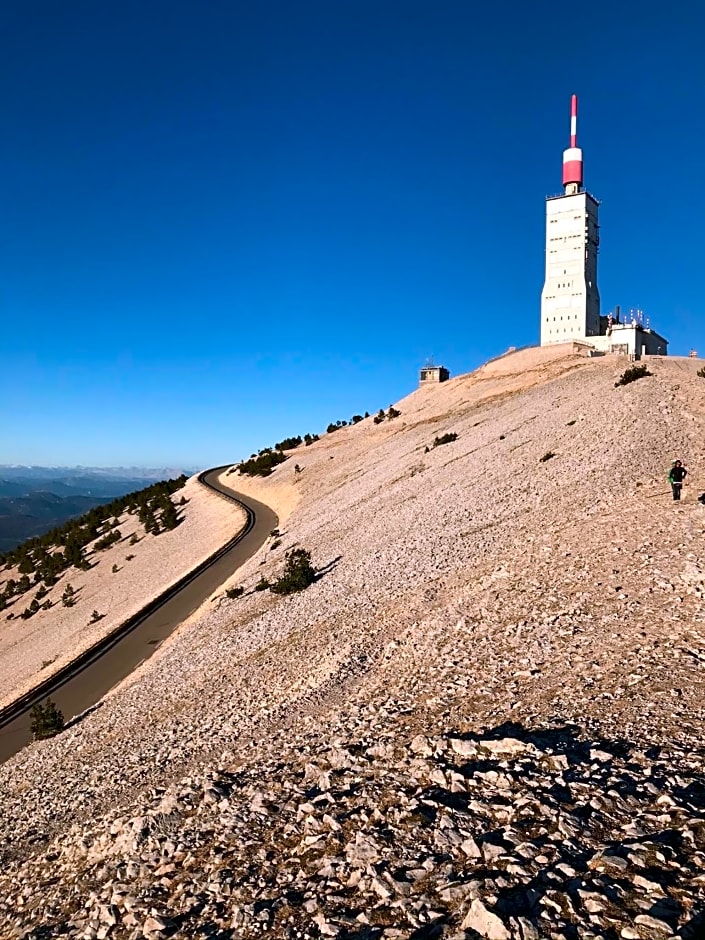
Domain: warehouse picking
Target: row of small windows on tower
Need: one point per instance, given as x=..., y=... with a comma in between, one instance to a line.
x=585, y=215
x=574, y=317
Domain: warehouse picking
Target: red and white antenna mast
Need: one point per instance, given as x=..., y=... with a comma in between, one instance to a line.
x=573, y=156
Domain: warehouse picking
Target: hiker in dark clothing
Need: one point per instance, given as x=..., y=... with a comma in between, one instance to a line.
x=677, y=474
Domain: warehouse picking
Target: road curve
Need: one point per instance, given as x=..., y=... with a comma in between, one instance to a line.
x=86, y=680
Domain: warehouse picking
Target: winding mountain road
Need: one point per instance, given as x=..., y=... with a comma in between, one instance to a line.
x=84, y=682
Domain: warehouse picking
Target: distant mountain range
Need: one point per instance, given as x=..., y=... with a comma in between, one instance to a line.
x=35, y=499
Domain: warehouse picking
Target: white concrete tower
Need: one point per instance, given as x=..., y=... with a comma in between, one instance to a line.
x=570, y=300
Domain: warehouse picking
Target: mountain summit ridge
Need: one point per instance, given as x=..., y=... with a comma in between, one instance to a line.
x=485, y=715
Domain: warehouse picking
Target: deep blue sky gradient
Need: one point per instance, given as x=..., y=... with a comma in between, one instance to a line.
x=223, y=223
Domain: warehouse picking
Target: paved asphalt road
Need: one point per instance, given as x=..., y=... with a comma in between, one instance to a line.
x=83, y=685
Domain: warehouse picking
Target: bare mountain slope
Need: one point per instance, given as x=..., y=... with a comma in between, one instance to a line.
x=486, y=715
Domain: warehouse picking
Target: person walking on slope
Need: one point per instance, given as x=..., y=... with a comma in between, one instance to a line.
x=676, y=476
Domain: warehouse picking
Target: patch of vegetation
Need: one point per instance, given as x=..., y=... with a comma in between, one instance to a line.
x=46, y=720
x=298, y=573
x=68, y=598
x=95, y=617
x=50, y=554
x=289, y=443
x=571, y=423
x=129, y=557
x=336, y=427
x=107, y=540
x=234, y=592
x=389, y=415
x=263, y=464
x=310, y=438
x=298, y=469
x=31, y=610
x=262, y=584
x=546, y=456
x=275, y=544
x=445, y=439
x=356, y=419
x=25, y=566
x=632, y=374
x=115, y=569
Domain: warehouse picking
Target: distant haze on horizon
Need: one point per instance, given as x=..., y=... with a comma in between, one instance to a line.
x=16, y=469
x=231, y=223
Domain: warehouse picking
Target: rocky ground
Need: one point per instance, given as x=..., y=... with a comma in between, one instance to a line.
x=484, y=719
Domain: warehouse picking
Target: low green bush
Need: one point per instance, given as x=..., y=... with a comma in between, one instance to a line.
x=632, y=374
x=107, y=540
x=289, y=443
x=234, y=592
x=445, y=439
x=263, y=464
x=298, y=573
x=46, y=720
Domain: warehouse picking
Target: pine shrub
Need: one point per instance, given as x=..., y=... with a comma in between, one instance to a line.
x=298, y=573
x=46, y=720
x=261, y=465
x=445, y=439
x=632, y=374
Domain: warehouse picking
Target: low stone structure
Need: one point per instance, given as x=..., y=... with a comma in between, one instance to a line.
x=430, y=374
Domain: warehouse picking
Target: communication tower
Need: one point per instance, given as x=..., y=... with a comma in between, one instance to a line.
x=570, y=300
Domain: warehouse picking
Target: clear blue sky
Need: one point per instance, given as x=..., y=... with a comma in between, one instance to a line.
x=225, y=222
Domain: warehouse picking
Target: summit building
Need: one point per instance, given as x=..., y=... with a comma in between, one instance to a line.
x=570, y=299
